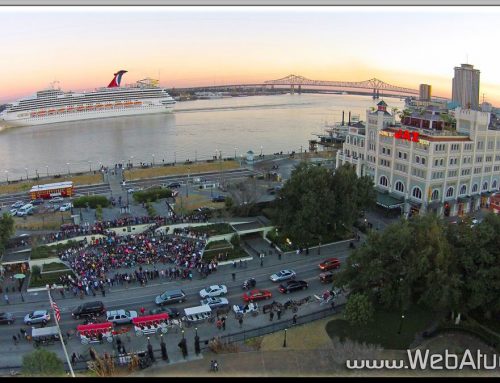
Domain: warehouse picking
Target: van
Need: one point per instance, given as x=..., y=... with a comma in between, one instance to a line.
x=170, y=296
x=45, y=336
x=25, y=210
x=197, y=314
x=89, y=309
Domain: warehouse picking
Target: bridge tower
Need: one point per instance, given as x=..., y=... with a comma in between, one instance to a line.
x=292, y=89
x=300, y=89
x=375, y=94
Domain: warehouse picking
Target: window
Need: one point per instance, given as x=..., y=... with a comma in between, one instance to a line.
x=405, y=156
x=417, y=193
x=348, y=140
x=400, y=187
x=449, y=192
x=463, y=189
x=494, y=185
x=435, y=194
x=417, y=159
x=423, y=160
x=485, y=186
x=384, y=181
x=441, y=162
x=474, y=188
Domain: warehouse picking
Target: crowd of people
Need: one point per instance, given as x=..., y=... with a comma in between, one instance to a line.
x=136, y=258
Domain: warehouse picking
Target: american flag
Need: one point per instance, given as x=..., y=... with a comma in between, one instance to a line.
x=57, y=311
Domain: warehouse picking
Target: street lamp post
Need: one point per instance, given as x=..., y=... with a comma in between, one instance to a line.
x=401, y=323
x=284, y=340
x=152, y=155
x=90, y=166
x=175, y=158
x=67, y=163
x=187, y=183
x=47, y=167
x=26, y=170
x=7, y=175
x=261, y=150
x=235, y=148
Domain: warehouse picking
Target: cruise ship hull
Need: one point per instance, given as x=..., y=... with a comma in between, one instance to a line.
x=14, y=121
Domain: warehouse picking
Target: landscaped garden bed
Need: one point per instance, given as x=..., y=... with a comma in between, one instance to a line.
x=49, y=278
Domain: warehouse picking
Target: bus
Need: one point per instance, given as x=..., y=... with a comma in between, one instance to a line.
x=47, y=191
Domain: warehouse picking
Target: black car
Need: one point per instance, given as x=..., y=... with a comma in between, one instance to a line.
x=293, y=286
x=172, y=312
x=174, y=185
x=219, y=198
x=89, y=309
x=38, y=201
x=6, y=318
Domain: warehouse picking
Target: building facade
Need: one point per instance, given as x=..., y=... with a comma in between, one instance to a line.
x=448, y=172
x=424, y=92
x=465, y=87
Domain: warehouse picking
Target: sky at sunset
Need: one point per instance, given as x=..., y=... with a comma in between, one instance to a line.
x=82, y=47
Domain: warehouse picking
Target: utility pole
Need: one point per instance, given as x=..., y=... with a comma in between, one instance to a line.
x=60, y=334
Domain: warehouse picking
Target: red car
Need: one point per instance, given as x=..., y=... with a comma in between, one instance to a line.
x=330, y=263
x=257, y=295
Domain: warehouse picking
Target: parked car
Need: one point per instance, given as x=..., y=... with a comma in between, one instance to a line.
x=257, y=295
x=171, y=311
x=17, y=204
x=25, y=210
x=7, y=318
x=57, y=199
x=329, y=264
x=326, y=277
x=283, y=275
x=174, y=185
x=35, y=317
x=213, y=291
x=219, y=198
x=215, y=302
x=38, y=201
x=170, y=296
x=66, y=206
x=12, y=212
x=120, y=316
x=89, y=309
x=291, y=286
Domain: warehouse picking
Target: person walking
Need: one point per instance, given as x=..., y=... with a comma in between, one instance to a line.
x=142, y=310
x=234, y=276
x=294, y=319
x=219, y=324
x=279, y=314
x=74, y=358
x=14, y=338
x=6, y=299
x=279, y=255
x=216, y=366
x=271, y=316
x=61, y=291
x=223, y=323
x=240, y=321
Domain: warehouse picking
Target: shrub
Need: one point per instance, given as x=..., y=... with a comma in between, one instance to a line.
x=98, y=212
x=151, y=210
x=359, y=309
x=42, y=363
x=91, y=201
x=36, y=272
x=152, y=194
x=235, y=240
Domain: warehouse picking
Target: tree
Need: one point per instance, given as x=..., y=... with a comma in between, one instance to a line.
x=42, y=363
x=229, y=203
x=359, y=309
x=6, y=230
x=36, y=272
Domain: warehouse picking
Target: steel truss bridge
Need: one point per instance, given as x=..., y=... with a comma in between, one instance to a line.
x=297, y=83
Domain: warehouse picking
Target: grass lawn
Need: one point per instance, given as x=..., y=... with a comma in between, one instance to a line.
x=49, y=278
x=54, y=266
x=186, y=205
x=42, y=221
x=84, y=179
x=383, y=330
x=215, y=229
x=280, y=240
x=217, y=245
x=159, y=171
x=235, y=253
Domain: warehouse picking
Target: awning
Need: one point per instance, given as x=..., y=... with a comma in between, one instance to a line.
x=415, y=203
x=435, y=204
x=486, y=194
x=451, y=202
x=464, y=199
x=389, y=201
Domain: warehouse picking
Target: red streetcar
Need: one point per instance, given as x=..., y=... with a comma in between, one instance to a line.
x=151, y=324
x=330, y=263
x=95, y=332
x=47, y=191
x=257, y=295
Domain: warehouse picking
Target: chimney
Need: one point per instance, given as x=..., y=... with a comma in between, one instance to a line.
x=343, y=118
x=349, y=118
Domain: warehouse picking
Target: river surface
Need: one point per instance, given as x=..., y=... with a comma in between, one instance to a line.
x=195, y=131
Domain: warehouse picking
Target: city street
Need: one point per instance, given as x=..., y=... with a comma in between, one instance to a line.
x=135, y=297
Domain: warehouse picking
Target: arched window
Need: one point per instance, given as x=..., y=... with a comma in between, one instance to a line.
x=372, y=135
x=362, y=143
x=417, y=159
x=384, y=181
x=463, y=189
x=485, y=186
x=449, y=192
x=355, y=141
x=347, y=140
x=423, y=160
x=417, y=192
x=435, y=194
x=400, y=187
x=494, y=185
x=474, y=188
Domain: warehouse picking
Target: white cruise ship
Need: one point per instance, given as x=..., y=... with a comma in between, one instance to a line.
x=53, y=105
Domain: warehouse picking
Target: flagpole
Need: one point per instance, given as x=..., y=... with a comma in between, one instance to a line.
x=60, y=334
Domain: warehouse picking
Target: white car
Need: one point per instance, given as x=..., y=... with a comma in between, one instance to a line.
x=215, y=302
x=66, y=206
x=213, y=291
x=283, y=275
x=17, y=204
x=57, y=199
x=13, y=212
x=40, y=316
x=121, y=316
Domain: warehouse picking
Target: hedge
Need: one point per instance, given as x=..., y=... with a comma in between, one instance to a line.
x=92, y=201
x=152, y=194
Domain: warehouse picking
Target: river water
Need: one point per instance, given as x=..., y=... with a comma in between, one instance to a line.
x=195, y=131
